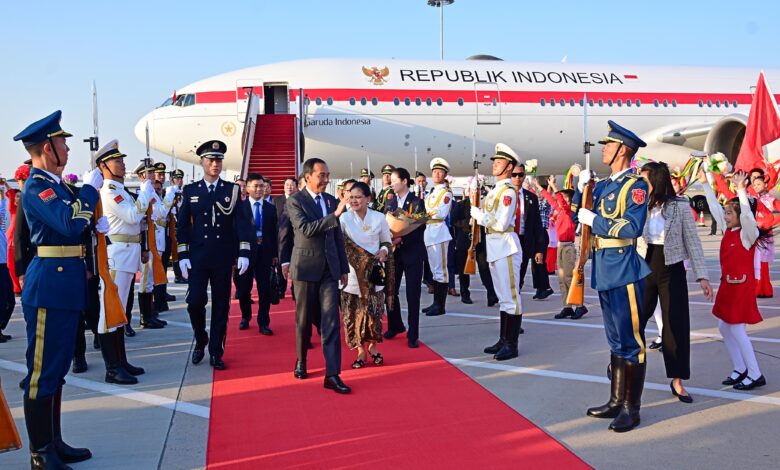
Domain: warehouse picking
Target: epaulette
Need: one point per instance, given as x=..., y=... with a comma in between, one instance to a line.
x=43, y=177
x=111, y=186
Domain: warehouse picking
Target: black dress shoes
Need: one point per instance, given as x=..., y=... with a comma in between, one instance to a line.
x=390, y=334
x=655, y=345
x=197, y=355
x=682, y=398
x=244, y=325
x=170, y=298
x=216, y=363
x=759, y=382
x=413, y=343
x=565, y=313
x=579, y=312
x=740, y=377
x=265, y=331
x=300, y=370
x=543, y=294
x=129, y=331
x=466, y=299
x=79, y=365
x=334, y=383
x=492, y=302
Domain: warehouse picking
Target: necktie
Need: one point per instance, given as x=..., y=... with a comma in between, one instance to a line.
x=519, y=214
x=318, y=200
x=211, y=189
x=258, y=221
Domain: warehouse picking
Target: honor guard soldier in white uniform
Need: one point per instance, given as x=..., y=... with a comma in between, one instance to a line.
x=437, y=235
x=504, y=252
x=162, y=234
x=125, y=215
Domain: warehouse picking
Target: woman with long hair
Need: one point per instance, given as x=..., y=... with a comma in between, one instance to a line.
x=670, y=233
x=367, y=241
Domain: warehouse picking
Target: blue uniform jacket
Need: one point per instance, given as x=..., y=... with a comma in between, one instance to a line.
x=621, y=210
x=56, y=216
x=213, y=230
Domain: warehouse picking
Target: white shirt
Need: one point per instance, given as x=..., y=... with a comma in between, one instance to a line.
x=368, y=234
x=322, y=200
x=655, y=227
x=619, y=174
x=56, y=178
x=402, y=200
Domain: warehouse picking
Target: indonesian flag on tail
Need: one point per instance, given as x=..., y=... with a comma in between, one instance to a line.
x=763, y=127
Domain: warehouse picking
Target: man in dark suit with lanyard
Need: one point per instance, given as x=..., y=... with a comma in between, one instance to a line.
x=316, y=264
x=409, y=256
x=213, y=230
x=264, y=256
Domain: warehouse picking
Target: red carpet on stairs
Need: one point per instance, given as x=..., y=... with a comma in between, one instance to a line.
x=415, y=411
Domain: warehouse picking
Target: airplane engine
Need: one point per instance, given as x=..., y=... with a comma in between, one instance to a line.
x=726, y=136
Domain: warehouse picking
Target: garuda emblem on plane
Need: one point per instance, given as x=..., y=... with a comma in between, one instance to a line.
x=376, y=75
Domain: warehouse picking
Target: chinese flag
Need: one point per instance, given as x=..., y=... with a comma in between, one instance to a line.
x=763, y=127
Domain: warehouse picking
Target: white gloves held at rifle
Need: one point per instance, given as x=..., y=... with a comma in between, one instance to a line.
x=93, y=178
x=585, y=177
x=483, y=218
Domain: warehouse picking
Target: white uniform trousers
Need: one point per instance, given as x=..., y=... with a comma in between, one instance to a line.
x=122, y=280
x=146, y=286
x=506, y=274
x=437, y=259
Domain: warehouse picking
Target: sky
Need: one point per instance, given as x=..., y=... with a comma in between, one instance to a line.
x=139, y=51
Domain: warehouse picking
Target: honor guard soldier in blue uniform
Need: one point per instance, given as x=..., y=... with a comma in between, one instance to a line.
x=55, y=285
x=617, y=219
x=386, y=193
x=213, y=230
x=367, y=177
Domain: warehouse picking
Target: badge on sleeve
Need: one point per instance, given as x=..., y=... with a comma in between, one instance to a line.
x=389, y=196
x=47, y=195
x=119, y=199
x=638, y=195
x=507, y=200
x=446, y=199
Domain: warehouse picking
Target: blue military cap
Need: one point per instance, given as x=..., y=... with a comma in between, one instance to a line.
x=621, y=135
x=42, y=130
x=212, y=149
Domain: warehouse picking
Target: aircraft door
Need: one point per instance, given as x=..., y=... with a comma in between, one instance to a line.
x=242, y=92
x=488, y=103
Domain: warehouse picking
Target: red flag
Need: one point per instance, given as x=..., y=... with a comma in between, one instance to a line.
x=763, y=127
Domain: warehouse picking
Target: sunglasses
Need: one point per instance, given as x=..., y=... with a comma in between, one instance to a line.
x=518, y=175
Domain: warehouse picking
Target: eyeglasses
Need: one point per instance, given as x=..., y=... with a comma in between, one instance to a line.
x=518, y=175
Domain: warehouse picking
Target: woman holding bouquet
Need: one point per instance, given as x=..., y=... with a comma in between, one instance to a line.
x=367, y=241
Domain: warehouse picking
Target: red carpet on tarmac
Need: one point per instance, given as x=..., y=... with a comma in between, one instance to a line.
x=415, y=411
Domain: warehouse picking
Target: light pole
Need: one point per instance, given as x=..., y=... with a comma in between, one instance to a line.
x=440, y=4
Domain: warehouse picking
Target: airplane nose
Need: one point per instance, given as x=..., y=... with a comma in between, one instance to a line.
x=140, y=128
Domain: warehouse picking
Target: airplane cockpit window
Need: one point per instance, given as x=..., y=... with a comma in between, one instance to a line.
x=189, y=100
x=167, y=102
x=180, y=100
x=185, y=100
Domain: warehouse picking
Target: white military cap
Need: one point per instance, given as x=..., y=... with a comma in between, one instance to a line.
x=108, y=151
x=440, y=163
x=504, y=152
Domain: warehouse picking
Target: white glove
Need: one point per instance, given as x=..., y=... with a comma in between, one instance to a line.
x=586, y=216
x=477, y=214
x=93, y=178
x=171, y=191
x=585, y=177
x=185, y=266
x=148, y=189
x=243, y=265
x=102, y=225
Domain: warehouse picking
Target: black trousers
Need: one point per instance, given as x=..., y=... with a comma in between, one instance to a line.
x=539, y=276
x=427, y=273
x=7, y=298
x=261, y=274
x=668, y=284
x=319, y=297
x=413, y=273
x=197, y=297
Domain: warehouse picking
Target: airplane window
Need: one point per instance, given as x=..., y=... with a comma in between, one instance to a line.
x=495, y=101
x=407, y=101
x=717, y=103
x=609, y=102
x=582, y=102
x=590, y=103
x=306, y=101
x=167, y=102
x=396, y=101
x=374, y=101
x=620, y=102
x=655, y=103
x=562, y=102
x=439, y=101
x=709, y=103
x=734, y=103
x=638, y=103
x=417, y=101
x=726, y=104
x=701, y=103
x=180, y=100
x=363, y=101
x=666, y=103
x=572, y=102
x=542, y=102
x=552, y=102
x=318, y=101
x=674, y=103
x=628, y=103
x=330, y=101
x=428, y=101
x=460, y=101
x=601, y=102
x=190, y=100
x=352, y=101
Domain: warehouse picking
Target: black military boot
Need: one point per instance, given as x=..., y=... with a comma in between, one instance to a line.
x=38, y=416
x=168, y=297
x=129, y=331
x=617, y=392
x=501, y=337
x=115, y=373
x=439, y=299
x=122, y=354
x=160, y=302
x=512, y=332
x=145, y=305
x=633, y=384
x=65, y=452
x=465, y=283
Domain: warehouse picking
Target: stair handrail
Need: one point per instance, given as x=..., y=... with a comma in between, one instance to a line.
x=250, y=124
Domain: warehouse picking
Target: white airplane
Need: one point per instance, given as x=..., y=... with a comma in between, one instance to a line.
x=406, y=112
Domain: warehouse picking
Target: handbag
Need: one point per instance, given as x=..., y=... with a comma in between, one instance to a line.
x=276, y=286
x=377, y=276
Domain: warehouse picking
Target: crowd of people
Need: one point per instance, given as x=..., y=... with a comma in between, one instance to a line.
x=349, y=255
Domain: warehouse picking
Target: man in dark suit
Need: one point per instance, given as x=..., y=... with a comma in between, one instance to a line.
x=290, y=188
x=316, y=263
x=533, y=237
x=409, y=255
x=263, y=258
x=214, y=229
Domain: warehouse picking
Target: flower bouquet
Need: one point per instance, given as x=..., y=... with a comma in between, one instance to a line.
x=402, y=222
x=719, y=164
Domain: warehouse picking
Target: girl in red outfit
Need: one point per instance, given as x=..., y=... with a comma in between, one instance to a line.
x=735, y=305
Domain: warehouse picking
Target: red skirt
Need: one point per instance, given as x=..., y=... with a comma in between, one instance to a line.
x=764, y=288
x=552, y=255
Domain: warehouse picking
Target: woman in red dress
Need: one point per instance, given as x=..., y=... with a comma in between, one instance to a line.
x=735, y=305
x=14, y=201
